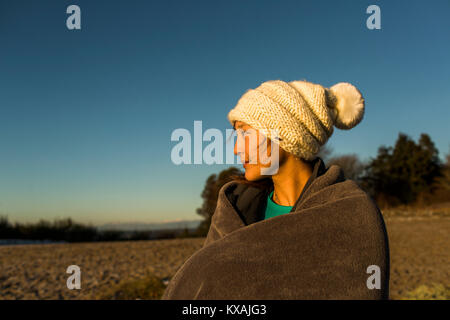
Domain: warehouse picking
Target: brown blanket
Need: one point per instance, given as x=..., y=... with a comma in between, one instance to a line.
x=320, y=250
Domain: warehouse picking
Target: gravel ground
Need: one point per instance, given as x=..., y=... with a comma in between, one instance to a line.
x=420, y=254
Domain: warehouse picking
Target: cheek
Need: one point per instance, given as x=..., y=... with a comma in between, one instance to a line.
x=256, y=151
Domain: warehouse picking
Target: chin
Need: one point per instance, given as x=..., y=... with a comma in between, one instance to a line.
x=253, y=173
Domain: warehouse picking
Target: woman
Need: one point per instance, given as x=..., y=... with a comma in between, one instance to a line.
x=290, y=229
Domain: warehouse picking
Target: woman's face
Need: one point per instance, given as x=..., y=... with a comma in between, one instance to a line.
x=255, y=151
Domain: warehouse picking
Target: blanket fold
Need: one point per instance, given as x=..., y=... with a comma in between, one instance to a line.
x=322, y=249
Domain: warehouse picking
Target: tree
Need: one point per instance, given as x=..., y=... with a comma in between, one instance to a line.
x=350, y=164
x=428, y=166
x=403, y=172
x=210, y=195
x=443, y=181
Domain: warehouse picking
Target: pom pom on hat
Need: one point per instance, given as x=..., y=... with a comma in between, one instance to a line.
x=348, y=104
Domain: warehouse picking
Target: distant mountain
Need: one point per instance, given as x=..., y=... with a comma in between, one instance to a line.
x=133, y=226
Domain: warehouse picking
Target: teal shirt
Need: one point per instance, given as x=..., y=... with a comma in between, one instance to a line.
x=273, y=209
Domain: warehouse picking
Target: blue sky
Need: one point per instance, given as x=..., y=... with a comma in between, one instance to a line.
x=86, y=115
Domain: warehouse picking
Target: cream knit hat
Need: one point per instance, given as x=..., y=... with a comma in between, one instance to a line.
x=303, y=113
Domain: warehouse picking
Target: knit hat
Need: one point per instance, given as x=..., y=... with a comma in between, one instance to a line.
x=302, y=113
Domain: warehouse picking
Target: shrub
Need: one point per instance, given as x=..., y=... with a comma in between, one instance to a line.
x=434, y=292
x=147, y=288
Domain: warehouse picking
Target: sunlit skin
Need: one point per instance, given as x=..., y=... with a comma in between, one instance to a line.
x=292, y=175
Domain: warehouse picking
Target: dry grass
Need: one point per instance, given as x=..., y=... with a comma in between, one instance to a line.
x=433, y=292
x=404, y=211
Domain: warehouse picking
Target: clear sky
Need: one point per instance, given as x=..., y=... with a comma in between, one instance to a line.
x=86, y=115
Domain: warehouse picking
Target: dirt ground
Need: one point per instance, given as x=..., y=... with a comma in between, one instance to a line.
x=39, y=271
x=420, y=255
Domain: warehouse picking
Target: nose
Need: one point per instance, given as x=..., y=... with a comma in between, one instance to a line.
x=240, y=146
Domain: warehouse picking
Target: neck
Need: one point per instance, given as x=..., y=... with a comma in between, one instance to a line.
x=290, y=180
